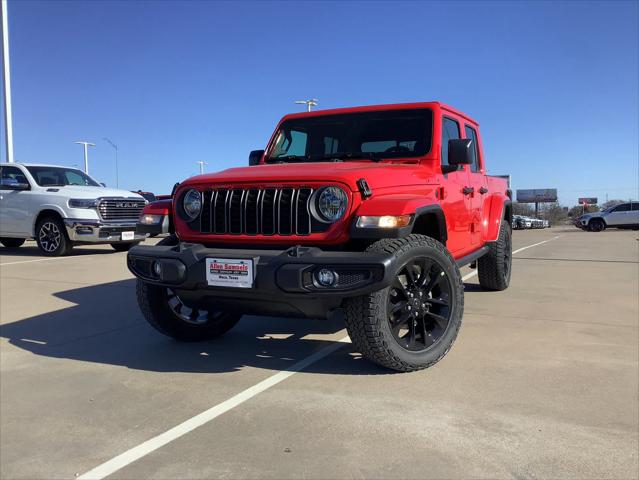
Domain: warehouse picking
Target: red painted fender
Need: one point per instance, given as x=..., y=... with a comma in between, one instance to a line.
x=493, y=212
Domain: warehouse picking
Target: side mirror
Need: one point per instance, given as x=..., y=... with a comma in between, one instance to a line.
x=254, y=157
x=103, y=184
x=459, y=151
x=13, y=184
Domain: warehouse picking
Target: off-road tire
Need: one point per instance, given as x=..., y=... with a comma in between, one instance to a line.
x=495, y=267
x=64, y=245
x=12, y=242
x=366, y=316
x=596, y=225
x=153, y=302
x=123, y=247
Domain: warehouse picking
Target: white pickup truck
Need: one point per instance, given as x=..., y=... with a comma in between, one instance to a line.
x=61, y=207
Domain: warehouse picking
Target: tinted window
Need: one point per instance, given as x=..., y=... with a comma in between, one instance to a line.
x=450, y=131
x=12, y=175
x=383, y=134
x=624, y=207
x=470, y=133
x=635, y=205
x=60, y=176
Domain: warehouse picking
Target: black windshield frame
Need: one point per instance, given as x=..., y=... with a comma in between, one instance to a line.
x=58, y=176
x=368, y=135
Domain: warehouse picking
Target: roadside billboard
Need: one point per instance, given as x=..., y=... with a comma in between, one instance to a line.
x=587, y=200
x=538, y=195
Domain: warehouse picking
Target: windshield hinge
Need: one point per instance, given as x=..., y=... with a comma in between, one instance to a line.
x=364, y=189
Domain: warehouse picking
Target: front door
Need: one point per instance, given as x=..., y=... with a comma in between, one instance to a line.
x=620, y=215
x=455, y=203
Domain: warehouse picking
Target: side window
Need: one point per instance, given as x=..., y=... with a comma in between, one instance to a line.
x=472, y=134
x=624, y=207
x=634, y=206
x=450, y=131
x=12, y=175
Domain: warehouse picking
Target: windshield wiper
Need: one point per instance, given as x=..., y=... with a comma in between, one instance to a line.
x=338, y=156
x=289, y=158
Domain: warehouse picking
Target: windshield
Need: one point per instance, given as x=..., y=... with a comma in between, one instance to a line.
x=374, y=135
x=60, y=177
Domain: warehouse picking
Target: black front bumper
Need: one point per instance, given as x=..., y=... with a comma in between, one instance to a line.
x=284, y=280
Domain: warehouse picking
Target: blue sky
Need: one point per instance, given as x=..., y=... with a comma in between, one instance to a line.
x=554, y=85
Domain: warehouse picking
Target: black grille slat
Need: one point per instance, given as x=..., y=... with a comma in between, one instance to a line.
x=257, y=211
x=205, y=218
x=303, y=220
x=219, y=209
x=251, y=212
x=267, y=207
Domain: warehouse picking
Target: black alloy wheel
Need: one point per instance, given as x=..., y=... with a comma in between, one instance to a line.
x=419, y=304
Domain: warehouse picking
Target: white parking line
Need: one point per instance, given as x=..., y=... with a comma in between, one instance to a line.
x=474, y=272
x=130, y=456
x=116, y=463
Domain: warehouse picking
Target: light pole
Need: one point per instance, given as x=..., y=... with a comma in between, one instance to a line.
x=86, y=154
x=8, y=123
x=201, y=164
x=117, y=180
x=311, y=102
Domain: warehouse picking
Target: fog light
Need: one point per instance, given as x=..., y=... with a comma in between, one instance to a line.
x=326, y=277
x=157, y=269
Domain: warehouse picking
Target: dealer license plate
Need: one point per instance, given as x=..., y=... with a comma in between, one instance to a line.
x=128, y=235
x=229, y=272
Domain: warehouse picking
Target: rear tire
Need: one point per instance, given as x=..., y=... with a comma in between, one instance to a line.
x=495, y=267
x=12, y=242
x=413, y=323
x=596, y=225
x=51, y=236
x=123, y=247
x=164, y=310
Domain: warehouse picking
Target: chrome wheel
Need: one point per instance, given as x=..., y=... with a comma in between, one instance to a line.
x=419, y=304
x=49, y=237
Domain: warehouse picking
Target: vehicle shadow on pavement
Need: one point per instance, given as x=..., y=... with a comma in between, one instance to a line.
x=27, y=252
x=105, y=326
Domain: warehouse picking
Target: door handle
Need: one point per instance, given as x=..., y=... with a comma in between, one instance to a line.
x=468, y=190
x=483, y=190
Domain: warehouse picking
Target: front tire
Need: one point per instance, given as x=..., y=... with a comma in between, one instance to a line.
x=596, y=225
x=164, y=310
x=12, y=242
x=51, y=236
x=494, y=268
x=413, y=323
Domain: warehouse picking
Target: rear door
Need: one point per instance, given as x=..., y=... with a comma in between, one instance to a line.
x=455, y=203
x=477, y=181
x=15, y=218
x=634, y=214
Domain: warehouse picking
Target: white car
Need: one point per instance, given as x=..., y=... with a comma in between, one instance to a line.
x=623, y=215
x=61, y=207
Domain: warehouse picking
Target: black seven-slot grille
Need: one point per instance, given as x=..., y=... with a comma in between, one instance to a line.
x=258, y=211
x=121, y=209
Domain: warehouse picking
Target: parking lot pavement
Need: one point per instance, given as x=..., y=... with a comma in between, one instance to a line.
x=541, y=383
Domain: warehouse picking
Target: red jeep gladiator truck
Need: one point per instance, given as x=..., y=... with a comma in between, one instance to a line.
x=367, y=211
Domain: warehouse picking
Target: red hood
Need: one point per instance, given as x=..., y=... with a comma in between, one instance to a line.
x=377, y=175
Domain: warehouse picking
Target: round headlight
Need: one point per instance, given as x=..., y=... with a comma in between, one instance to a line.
x=331, y=203
x=192, y=203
